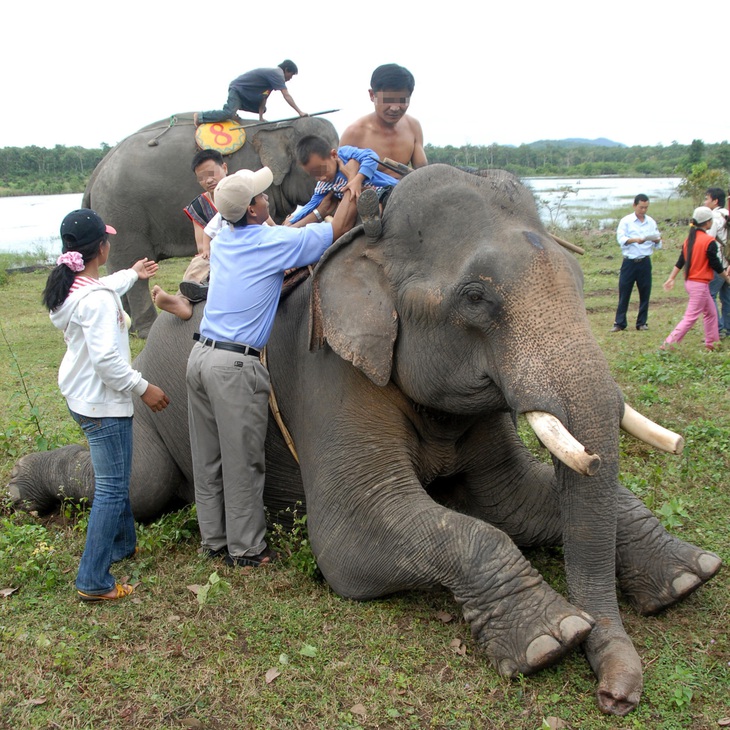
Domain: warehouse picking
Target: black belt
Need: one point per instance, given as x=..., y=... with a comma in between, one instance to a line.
x=230, y=346
x=638, y=258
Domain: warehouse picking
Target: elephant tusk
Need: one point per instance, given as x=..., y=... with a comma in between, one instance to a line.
x=561, y=443
x=651, y=433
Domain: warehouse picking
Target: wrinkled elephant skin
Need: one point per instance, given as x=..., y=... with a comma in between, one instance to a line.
x=141, y=190
x=395, y=370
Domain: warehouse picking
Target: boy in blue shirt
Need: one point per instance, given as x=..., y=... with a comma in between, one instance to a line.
x=327, y=166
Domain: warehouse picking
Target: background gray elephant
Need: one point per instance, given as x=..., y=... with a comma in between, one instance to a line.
x=141, y=191
x=397, y=391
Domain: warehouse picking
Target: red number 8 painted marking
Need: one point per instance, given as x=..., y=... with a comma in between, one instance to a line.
x=219, y=133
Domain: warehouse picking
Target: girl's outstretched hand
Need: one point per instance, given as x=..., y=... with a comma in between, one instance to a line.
x=145, y=268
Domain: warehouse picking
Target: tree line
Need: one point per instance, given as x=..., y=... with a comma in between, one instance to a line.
x=43, y=171
x=585, y=160
x=39, y=170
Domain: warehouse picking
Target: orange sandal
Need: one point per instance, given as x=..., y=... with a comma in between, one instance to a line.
x=120, y=591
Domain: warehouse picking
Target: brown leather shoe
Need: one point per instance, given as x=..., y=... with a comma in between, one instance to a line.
x=265, y=557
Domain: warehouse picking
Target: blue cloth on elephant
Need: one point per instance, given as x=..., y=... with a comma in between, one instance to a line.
x=201, y=210
x=368, y=160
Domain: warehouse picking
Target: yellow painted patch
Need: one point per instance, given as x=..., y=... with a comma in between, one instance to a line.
x=226, y=137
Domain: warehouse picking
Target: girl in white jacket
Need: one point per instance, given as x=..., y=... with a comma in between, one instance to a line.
x=97, y=380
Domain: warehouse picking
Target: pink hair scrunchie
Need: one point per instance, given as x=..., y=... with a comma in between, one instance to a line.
x=73, y=259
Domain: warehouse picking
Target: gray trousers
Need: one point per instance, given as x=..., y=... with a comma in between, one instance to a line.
x=234, y=102
x=228, y=397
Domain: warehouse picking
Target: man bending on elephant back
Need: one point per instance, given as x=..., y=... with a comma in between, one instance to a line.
x=250, y=92
x=228, y=387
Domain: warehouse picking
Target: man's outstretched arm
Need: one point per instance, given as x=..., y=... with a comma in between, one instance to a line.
x=290, y=101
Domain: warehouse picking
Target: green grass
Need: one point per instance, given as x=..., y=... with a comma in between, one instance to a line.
x=164, y=659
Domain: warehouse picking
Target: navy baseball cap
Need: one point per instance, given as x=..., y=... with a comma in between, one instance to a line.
x=82, y=227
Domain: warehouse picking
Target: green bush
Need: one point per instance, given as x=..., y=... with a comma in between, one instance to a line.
x=701, y=177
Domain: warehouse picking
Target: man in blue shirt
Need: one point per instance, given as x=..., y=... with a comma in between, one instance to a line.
x=639, y=237
x=250, y=92
x=228, y=387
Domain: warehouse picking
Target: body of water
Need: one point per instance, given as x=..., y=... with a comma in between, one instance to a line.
x=570, y=199
x=29, y=224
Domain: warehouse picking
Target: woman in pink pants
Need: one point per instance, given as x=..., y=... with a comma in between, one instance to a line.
x=699, y=259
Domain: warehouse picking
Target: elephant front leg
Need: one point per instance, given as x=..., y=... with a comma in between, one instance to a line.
x=515, y=493
x=656, y=569
x=520, y=622
x=381, y=538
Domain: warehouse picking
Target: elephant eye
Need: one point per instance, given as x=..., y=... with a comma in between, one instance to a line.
x=478, y=301
x=473, y=294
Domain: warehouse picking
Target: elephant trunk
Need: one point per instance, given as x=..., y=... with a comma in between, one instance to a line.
x=589, y=406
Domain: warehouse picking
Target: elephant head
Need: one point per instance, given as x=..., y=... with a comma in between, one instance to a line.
x=496, y=326
x=468, y=306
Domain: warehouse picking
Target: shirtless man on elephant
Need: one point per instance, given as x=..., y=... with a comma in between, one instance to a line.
x=388, y=129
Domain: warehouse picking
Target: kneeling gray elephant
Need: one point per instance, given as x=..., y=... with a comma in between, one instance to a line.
x=396, y=369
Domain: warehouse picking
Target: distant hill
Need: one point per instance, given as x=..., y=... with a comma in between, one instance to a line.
x=575, y=142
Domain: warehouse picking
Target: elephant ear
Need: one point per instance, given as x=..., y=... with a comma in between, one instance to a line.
x=273, y=146
x=352, y=307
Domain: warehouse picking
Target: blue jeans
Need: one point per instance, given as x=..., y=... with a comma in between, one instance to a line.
x=110, y=535
x=719, y=286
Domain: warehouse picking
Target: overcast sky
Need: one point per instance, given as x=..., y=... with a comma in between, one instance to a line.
x=83, y=73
